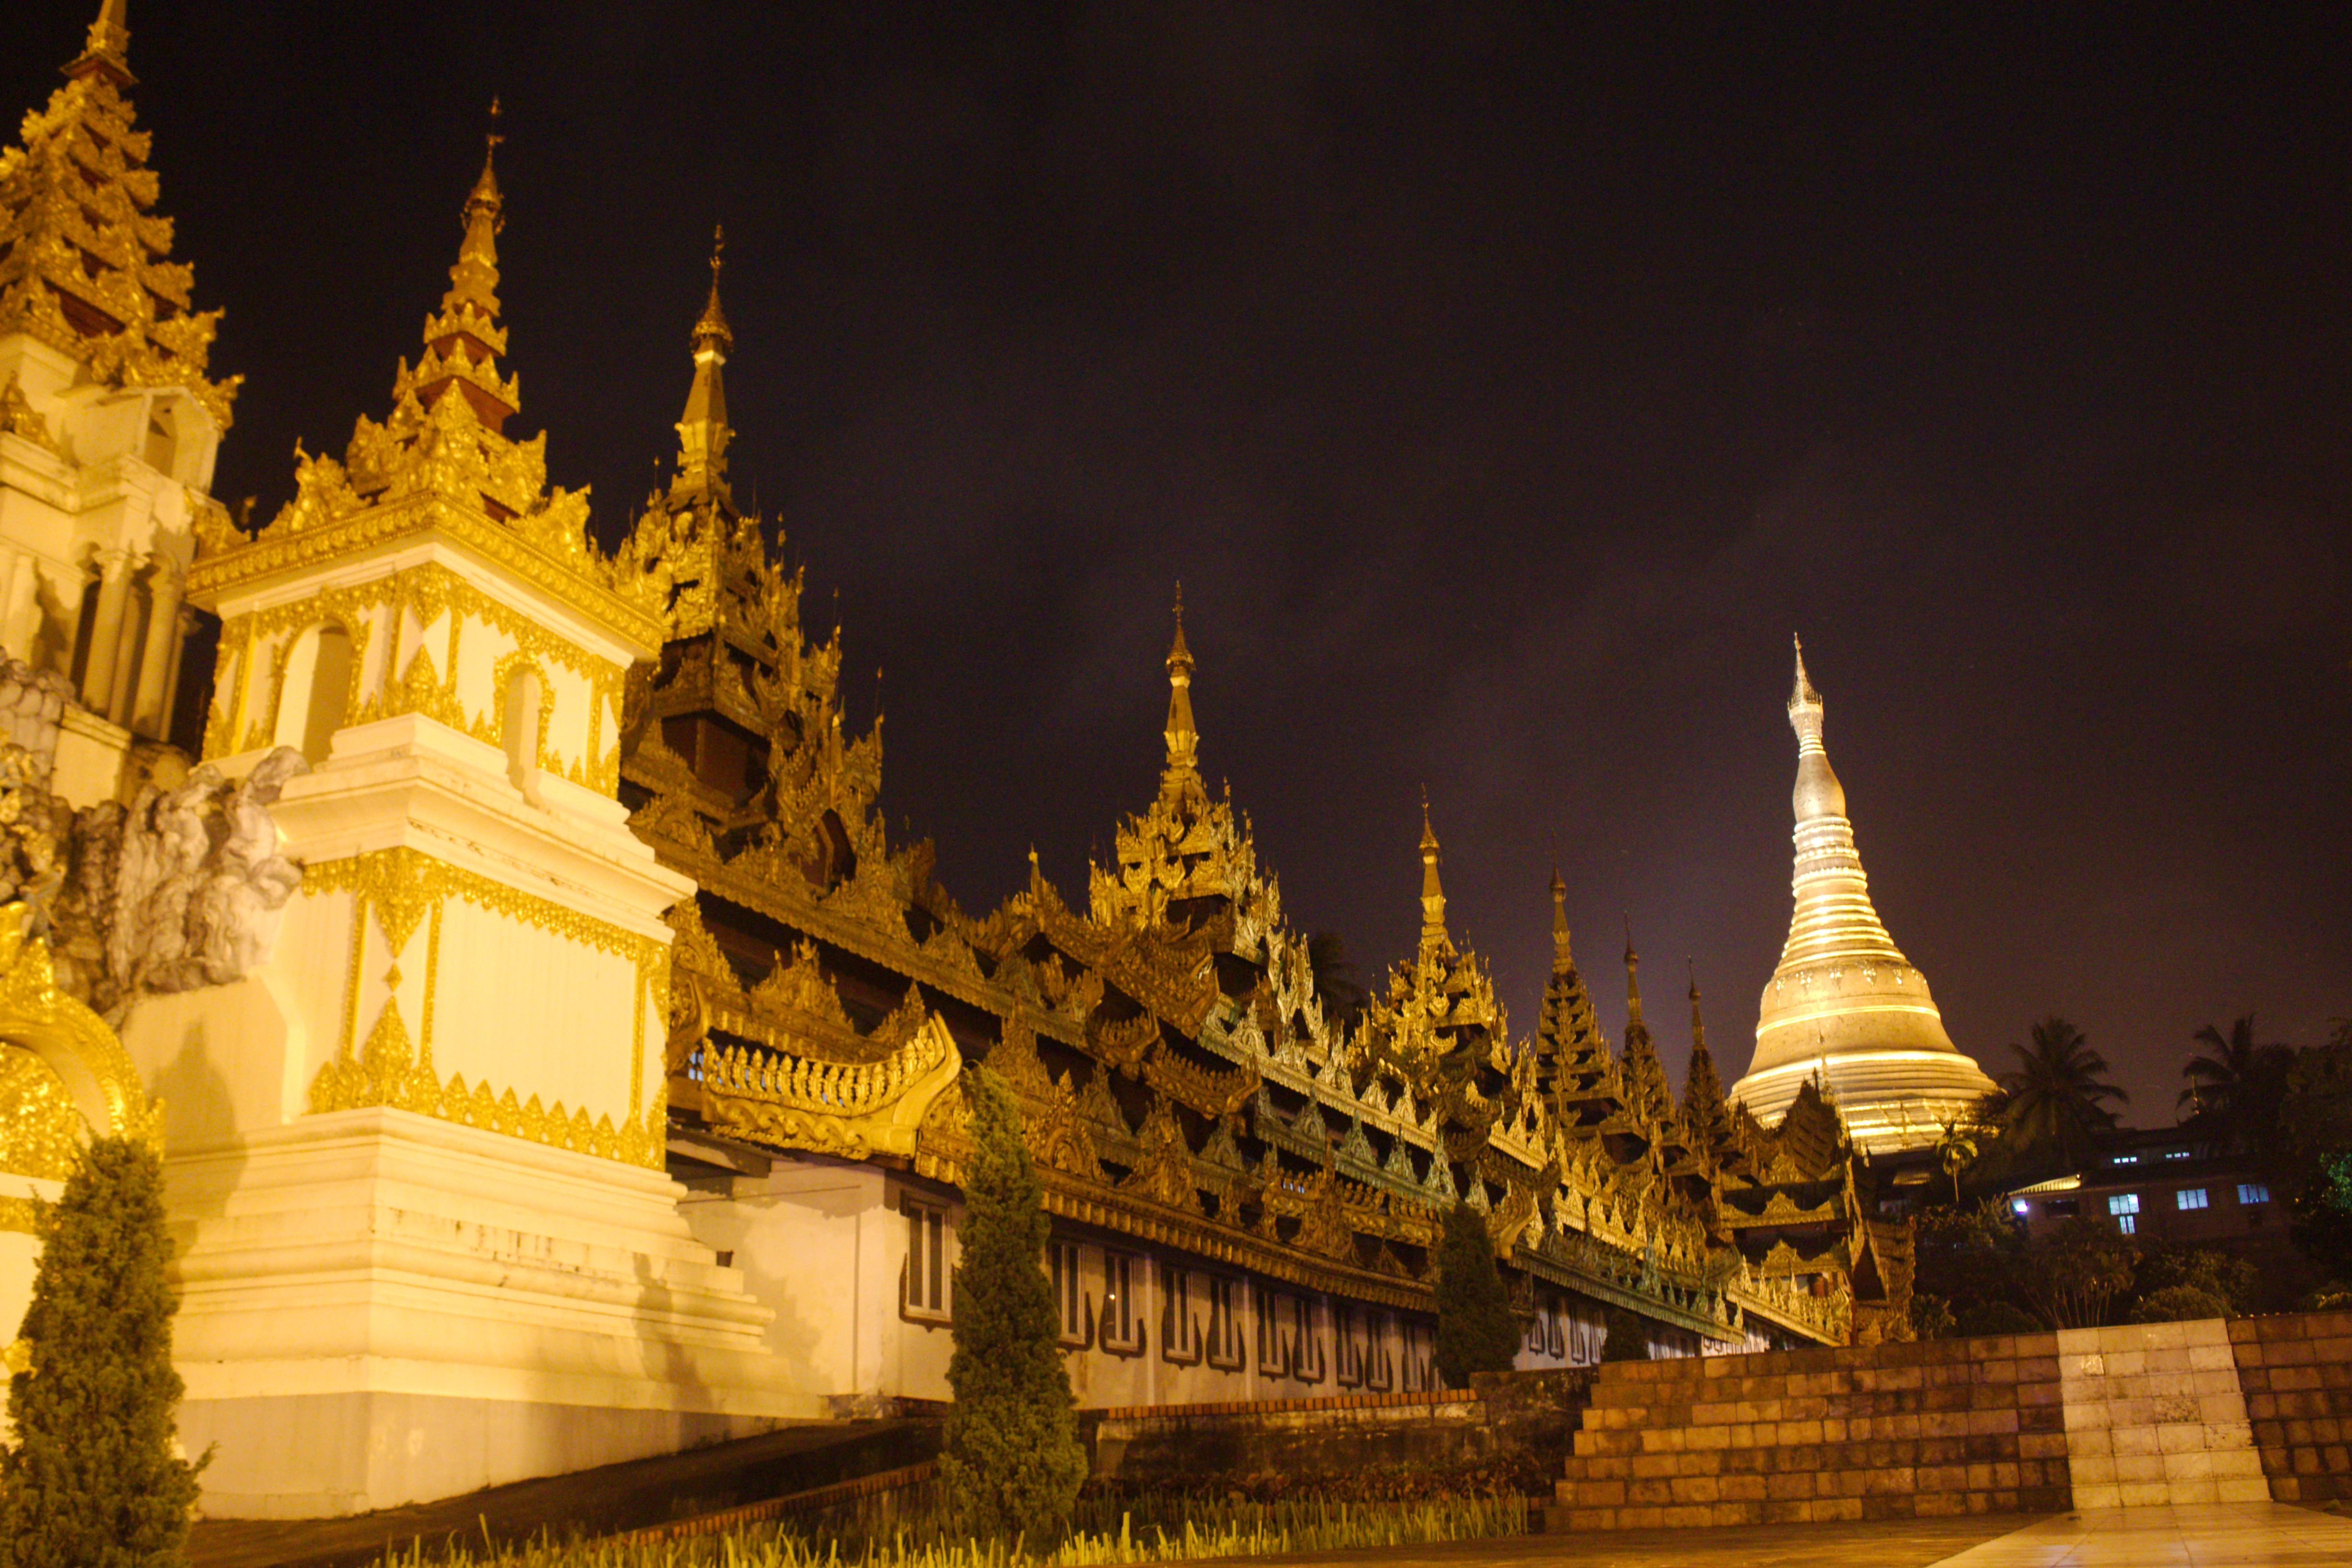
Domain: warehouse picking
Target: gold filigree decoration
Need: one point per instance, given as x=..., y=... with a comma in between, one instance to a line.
x=84, y=1058
x=40, y=1131
x=397, y=887
x=832, y=1107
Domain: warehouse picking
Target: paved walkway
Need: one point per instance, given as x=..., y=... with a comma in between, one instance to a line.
x=2206, y=1535
x=2220, y=1535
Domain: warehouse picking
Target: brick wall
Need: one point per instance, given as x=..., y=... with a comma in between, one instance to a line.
x=2296, y=1373
x=1523, y=1419
x=1951, y=1427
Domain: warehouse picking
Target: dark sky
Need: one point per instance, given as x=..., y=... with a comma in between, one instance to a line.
x=1505, y=384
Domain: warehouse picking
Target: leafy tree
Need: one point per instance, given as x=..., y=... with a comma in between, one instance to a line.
x=2058, y=1094
x=1475, y=1330
x=2178, y=1304
x=1012, y=1462
x=94, y=1480
x=2071, y=1276
x=2232, y=1281
x=2235, y=1087
x=1624, y=1337
x=2306, y=1154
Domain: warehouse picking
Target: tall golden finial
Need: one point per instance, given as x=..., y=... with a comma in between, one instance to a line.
x=704, y=433
x=1560, y=961
x=1433, y=891
x=1184, y=740
x=107, y=48
x=475, y=279
x=1632, y=978
x=1698, y=1025
x=464, y=340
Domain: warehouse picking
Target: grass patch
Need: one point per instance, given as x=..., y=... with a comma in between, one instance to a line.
x=882, y=1532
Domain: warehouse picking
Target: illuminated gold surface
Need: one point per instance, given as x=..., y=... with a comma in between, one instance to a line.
x=441, y=463
x=1844, y=1005
x=84, y=259
x=396, y=890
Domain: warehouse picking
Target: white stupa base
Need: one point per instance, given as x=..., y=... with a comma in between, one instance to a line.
x=379, y=1308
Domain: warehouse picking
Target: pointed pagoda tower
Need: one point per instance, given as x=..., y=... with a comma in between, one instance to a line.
x=109, y=416
x=1707, y=1118
x=1646, y=1089
x=432, y=1244
x=1844, y=1003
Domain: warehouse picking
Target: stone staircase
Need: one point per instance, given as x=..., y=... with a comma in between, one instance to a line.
x=1898, y=1431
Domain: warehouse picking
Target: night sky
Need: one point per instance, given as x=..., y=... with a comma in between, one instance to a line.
x=1504, y=384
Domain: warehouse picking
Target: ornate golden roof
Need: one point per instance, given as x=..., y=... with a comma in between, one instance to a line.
x=84, y=258
x=442, y=461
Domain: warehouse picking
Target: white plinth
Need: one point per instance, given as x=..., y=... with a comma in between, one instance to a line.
x=379, y=1307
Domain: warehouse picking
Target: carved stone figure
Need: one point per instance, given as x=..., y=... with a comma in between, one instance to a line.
x=180, y=890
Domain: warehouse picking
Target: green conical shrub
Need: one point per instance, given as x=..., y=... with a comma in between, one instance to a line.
x=1012, y=1462
x=1475, y=1330
x=93, y=1479
x=1624, y=1337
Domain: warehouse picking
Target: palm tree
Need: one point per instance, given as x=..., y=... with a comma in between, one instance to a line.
x=2058, y=1093
x=2235, y=1086
x=1957, y=1149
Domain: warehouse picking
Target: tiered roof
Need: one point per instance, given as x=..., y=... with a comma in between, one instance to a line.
x=85, y=255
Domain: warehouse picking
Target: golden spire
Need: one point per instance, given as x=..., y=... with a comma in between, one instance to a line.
x=1844, y=1004
x=85, y=257
x=1182, y=775
x=1704, y=1116
x=463, y=342
x=704, y=433
x=1633, y=979
x=1560, y=961
x=108, y=49
x=1433, y=893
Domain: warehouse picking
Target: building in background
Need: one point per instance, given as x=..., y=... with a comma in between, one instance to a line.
x=2160, y=1186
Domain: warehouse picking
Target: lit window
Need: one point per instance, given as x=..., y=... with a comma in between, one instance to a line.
x=1122, y=1315
x=2128, y=1224
x=2253, y=1192
x=2176, y=1153
x=1069, y=1295
x=2190, y=1197
x=2124, y=1203
x=927, y=1261
x=2125, y=1160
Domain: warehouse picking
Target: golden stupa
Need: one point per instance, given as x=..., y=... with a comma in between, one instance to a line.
x=1844, y=1005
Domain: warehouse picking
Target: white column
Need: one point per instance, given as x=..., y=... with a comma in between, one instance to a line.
x=106, y=632
x=21, y=622
x=150, y=711
x=184, y=627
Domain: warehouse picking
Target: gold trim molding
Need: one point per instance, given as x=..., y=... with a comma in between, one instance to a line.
x=400, y=888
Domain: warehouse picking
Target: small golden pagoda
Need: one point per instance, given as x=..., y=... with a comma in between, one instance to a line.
x=109, y=416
